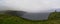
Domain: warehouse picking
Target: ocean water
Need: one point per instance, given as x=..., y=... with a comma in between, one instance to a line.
x=36, y=16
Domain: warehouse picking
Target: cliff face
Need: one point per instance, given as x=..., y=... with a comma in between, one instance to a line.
x=15, y=13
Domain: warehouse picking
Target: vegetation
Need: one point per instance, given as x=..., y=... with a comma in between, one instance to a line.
x=54, y=18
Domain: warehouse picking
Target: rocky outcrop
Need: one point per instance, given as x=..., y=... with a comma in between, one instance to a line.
x=15, y=13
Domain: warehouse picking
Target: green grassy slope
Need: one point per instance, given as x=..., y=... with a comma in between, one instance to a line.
x=54, y=18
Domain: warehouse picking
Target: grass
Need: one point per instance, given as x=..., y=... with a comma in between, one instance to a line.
x=54, y=18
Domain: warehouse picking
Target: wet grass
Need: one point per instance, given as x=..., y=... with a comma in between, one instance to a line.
x=54, y=18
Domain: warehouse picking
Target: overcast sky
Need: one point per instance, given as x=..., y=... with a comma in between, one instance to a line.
x=30, y=5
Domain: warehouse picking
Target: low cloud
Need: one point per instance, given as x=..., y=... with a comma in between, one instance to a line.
x=30, y=5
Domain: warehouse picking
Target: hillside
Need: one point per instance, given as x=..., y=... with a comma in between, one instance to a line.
x=54, y=18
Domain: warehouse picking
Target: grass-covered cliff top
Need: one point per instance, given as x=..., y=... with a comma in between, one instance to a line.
x=54, y=18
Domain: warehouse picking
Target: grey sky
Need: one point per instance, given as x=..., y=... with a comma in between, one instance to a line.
x=31, y=5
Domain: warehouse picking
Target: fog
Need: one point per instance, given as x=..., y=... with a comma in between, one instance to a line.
x=33, y=6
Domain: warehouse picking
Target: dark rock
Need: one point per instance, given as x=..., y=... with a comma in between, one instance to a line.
x=15, y=13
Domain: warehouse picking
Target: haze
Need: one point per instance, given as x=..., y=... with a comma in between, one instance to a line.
x=30, y=5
